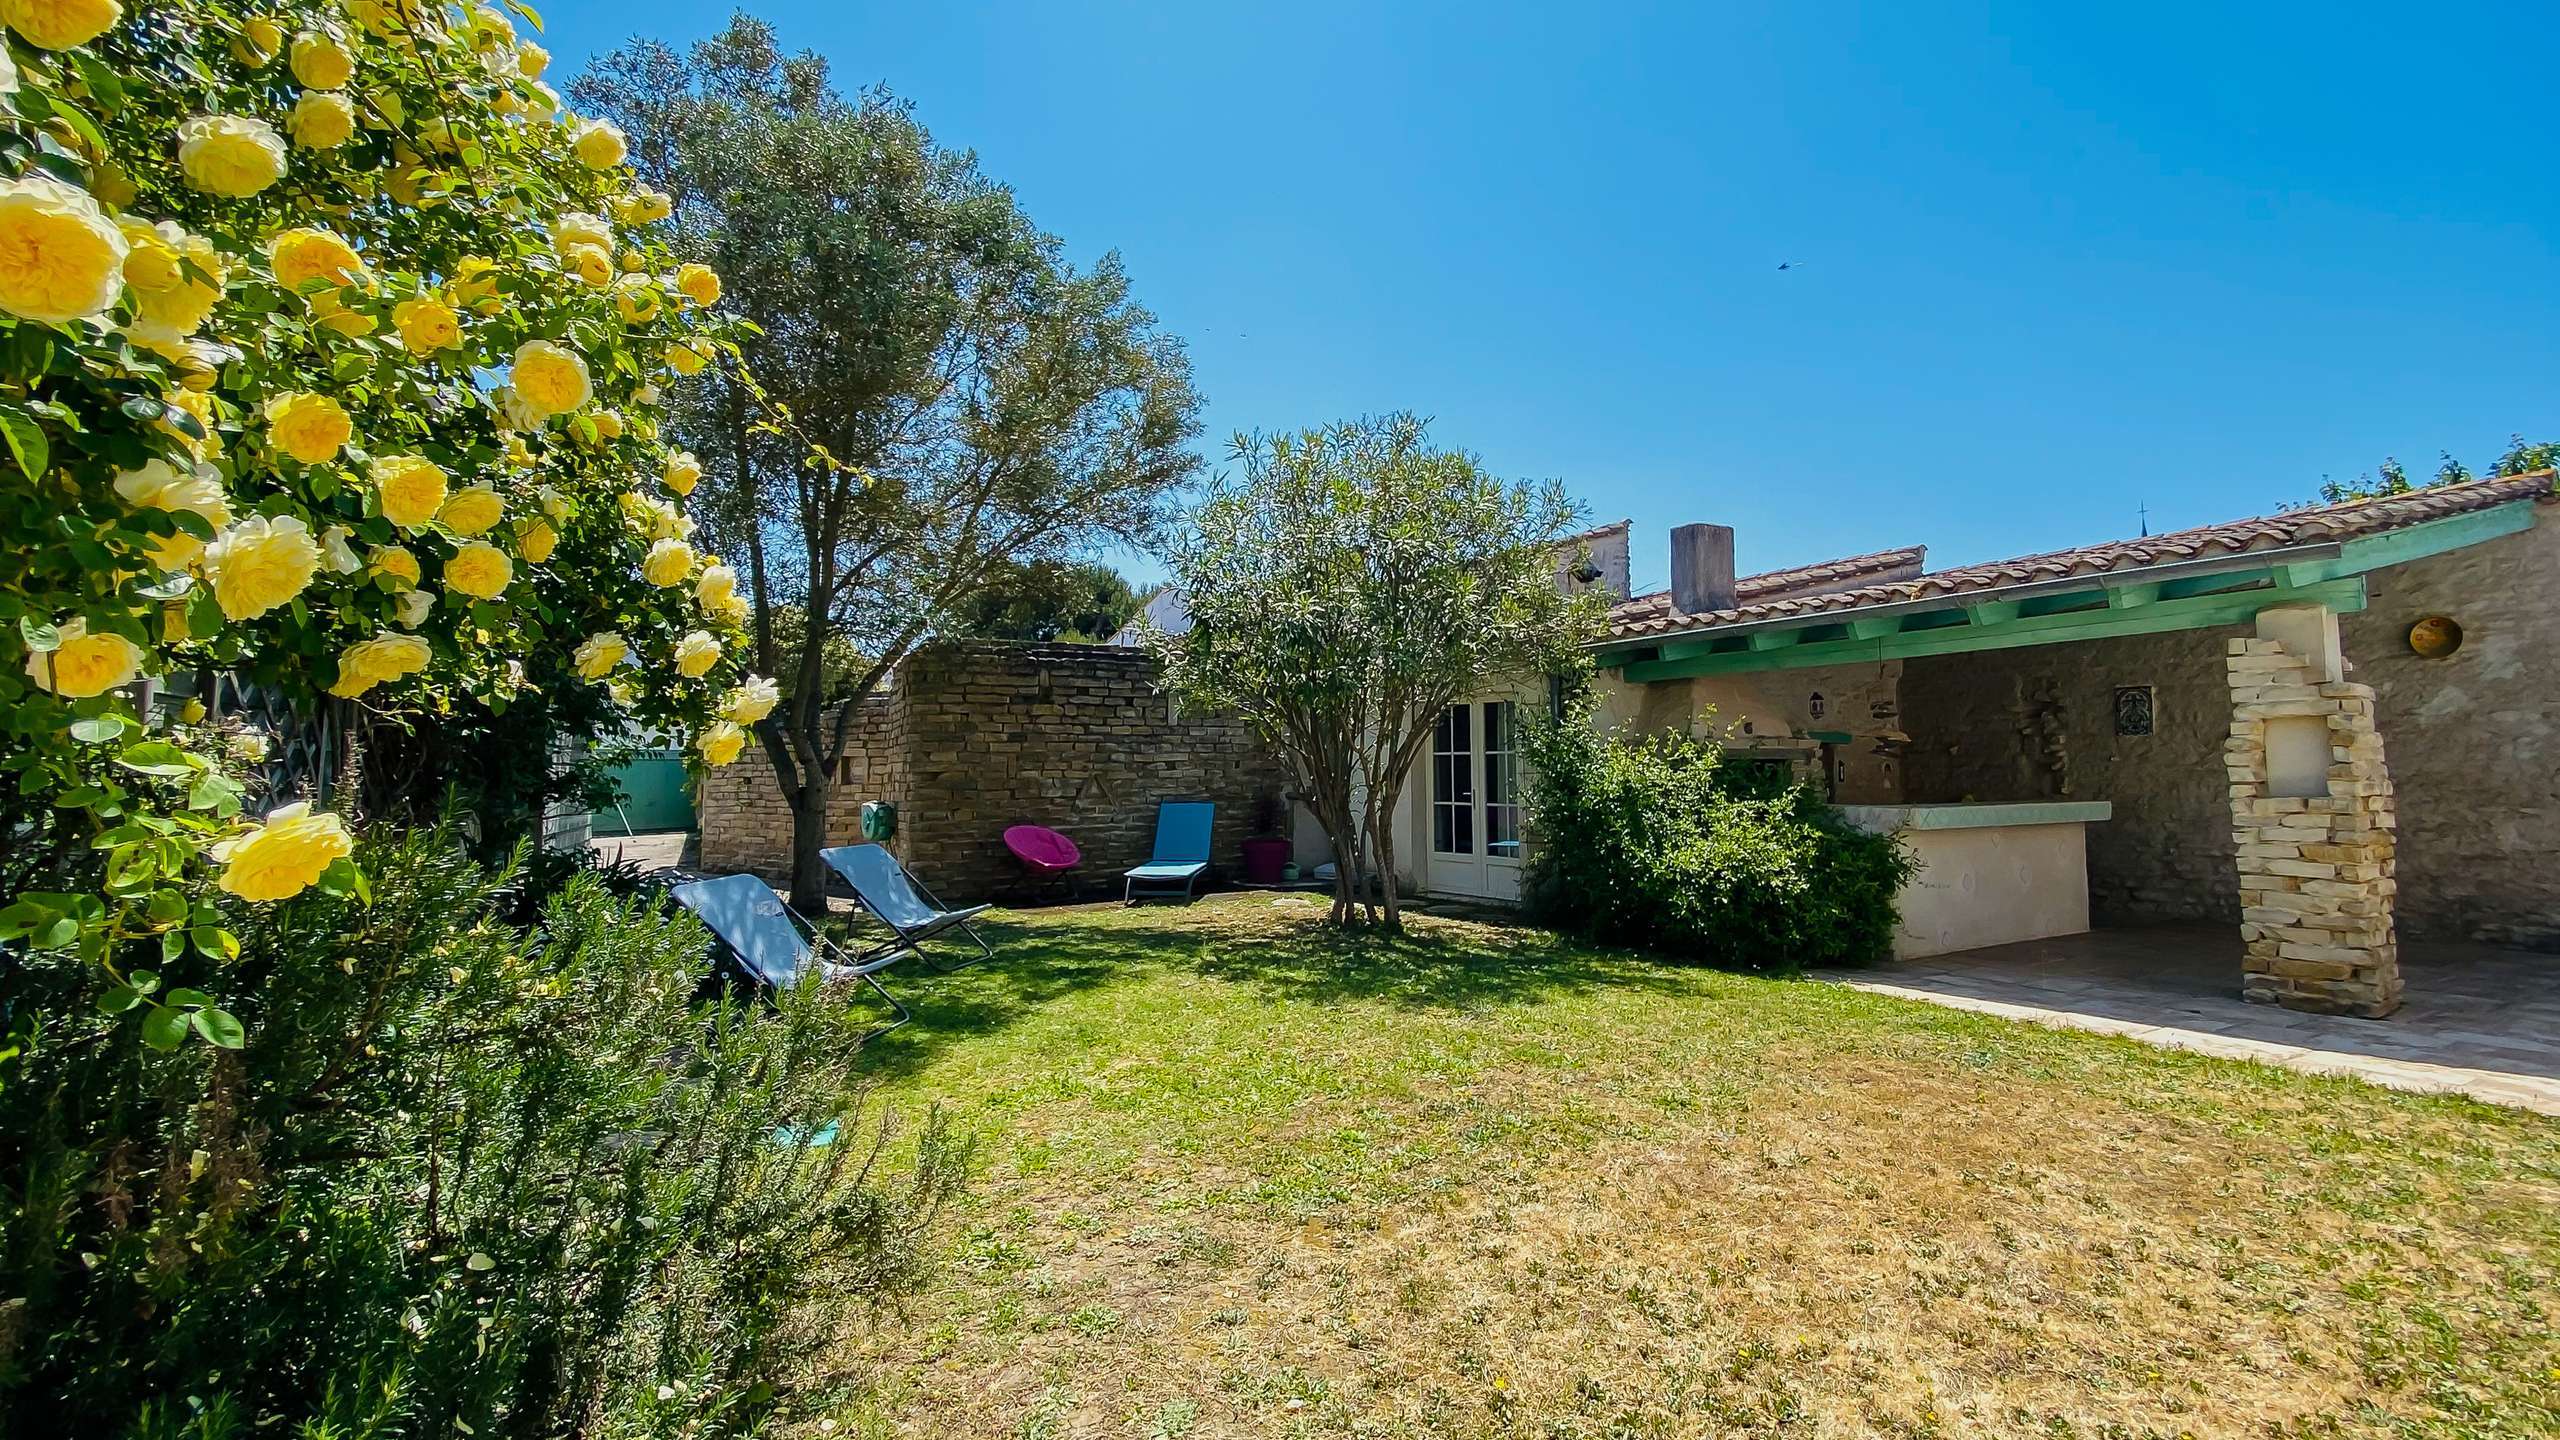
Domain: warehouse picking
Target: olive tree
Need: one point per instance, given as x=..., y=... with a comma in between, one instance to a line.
x=1346, y=584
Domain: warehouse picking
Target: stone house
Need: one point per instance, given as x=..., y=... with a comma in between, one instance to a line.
x=2188, y=726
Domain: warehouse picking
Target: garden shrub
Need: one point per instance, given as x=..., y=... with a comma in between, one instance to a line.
x=1659, y=844
x=460, y=1179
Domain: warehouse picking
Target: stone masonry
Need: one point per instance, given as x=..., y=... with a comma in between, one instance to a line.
x=975, y=736
x=2315, y=870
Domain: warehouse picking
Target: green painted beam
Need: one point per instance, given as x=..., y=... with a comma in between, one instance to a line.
x=2197, y=613
x=1765, y=640
x=1991, y=612
x=2128, y=597
x=2433, y=537
x=1868, y=627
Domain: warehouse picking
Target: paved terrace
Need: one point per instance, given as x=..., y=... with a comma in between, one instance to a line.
x=2479, y=1020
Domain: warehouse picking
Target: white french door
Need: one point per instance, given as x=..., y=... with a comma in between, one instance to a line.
x=1473, y=820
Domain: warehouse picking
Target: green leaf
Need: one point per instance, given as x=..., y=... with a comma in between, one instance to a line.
x=343, y=878
x=215, y=941
x=144, y=981
x=183, y=997
x=163, y=1028
x=60, y=933
x=97, y=729
x=219, y=1027
x=26, y=441
x=40, y=634
x=118, y=999
x=157, y=757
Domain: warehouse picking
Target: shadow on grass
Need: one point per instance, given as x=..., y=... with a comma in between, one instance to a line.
x=1043, y=957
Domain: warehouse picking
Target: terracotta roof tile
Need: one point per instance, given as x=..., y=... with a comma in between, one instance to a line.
x=1652, y=614
x=1797, y=580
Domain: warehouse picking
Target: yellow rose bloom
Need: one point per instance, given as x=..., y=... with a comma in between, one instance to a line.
x=395, y=564
x=411, y=488
x=475, y=284
x=261, y=37
x=576, y=229
x=599, y=144
x=83, y=664
x=176, y=277
x=61, y=258
x=151, y=254
x=608, y=424
x=684, y=359
x=720, y=743
x=696, y=653
x=591, y=265
x=472, y=510
x=320, y=62
x=321, y=120
x=536, y=541
x=332, y=312
x=302, y=255
x=730, y=609
x=683, y=471
x=668, y=563
x=426, y=325
x=550, y=379
x=199, y=405
x=480, y=570
x=60, y=24
x=598, y=654
x=230, y=154
x=750, y=700
x=386, y=657
x=636, y=296
x=259, y=564
x=717, y=584
x=310, y=428
x=531, y=60
x=159, y=485
x=285, y=856
x=700, y=284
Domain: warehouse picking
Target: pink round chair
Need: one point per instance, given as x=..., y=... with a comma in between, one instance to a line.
x=1042, y=849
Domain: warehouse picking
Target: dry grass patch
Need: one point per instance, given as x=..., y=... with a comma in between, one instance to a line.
x=1246, y=1178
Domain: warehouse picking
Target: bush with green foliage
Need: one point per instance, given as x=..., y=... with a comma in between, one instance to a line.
x=1660, y=844
x=462, y=1179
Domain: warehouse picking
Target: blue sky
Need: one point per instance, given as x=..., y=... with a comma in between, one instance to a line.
x=2053, y=264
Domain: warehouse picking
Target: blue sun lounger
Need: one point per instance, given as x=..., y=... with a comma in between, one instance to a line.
x=1182, y=852
x=901, y=902
x=775, y=945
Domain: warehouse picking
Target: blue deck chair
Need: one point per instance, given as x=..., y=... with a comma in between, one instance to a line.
x=775, y=944
x=1182, y=851
x=901, y=902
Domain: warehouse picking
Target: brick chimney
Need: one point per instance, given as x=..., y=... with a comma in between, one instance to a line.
x=1702, y=569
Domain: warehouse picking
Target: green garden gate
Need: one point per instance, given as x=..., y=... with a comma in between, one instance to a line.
x=652, y=783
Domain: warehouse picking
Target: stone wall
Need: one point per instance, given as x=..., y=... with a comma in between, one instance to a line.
x=975, y=736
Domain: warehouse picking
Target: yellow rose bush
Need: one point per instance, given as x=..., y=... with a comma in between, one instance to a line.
x=331, y=348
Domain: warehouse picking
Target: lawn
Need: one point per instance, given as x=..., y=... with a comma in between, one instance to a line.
x=1242, y=1177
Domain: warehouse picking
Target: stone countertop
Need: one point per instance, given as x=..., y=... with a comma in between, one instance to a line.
x=1887, y=819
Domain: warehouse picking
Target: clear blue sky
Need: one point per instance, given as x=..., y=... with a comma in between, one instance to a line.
x=2055, y=263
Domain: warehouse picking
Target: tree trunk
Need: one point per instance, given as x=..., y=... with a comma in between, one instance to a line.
x=808, y=837
x=1386, y=843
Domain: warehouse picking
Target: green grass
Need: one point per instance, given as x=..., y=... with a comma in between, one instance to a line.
x=1243, y=1176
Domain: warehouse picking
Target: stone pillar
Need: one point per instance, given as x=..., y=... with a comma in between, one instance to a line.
x=2314, y=840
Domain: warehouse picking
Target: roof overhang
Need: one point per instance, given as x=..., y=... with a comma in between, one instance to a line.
x=2150, y=599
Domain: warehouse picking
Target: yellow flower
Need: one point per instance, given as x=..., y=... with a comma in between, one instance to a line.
x=480, y=570
x=598, y=654
x=576, y=229
x=60, y=24
x=730, y=609
x=599, y=144
x=386, y=17
x=717, y=584
x=159, y=485
x=412, y=488
x=259, y=564
x=475, y=284
x=550, y=379
x=427, y=325
x=700, y=284
x=83, y=664
x=230, y=154
x=751, y=700
x=683, y=471
x=61, y=258
x=332, y=312
x=472, y=510
x=608, y=424
x=320, y=62
x=696, y=653
x=321, y=120
x=720, y=743
x=668, y=563
x=305, y=254
x=395, y=564
x=151, y=254
x=412, y=606
x=285, y=856
x=310, y=428
x=261, y=38
x=591, y=265
x=176, y=277
x=637, y=298
x=641, y=205
x=367, y=663
x=531, y=60
x=536, y=541
x=684, y=359
x=199, y=405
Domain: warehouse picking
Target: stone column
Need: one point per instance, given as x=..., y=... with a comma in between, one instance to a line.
x=2311, y=813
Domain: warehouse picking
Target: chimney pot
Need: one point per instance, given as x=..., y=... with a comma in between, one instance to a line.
x=1702, y=569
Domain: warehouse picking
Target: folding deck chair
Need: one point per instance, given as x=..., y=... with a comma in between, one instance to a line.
x=900, y=901
x=1182, y=851
x=761, y=931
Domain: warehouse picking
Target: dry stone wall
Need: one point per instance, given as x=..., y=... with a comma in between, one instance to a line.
x=975, y=736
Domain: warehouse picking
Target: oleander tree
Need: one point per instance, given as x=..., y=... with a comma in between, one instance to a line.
x=1346, y=585
x=333, y=354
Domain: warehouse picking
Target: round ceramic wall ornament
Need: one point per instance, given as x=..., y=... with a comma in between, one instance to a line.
x=2435, y=637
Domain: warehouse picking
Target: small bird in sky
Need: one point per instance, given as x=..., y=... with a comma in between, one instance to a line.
x=1790, y=264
